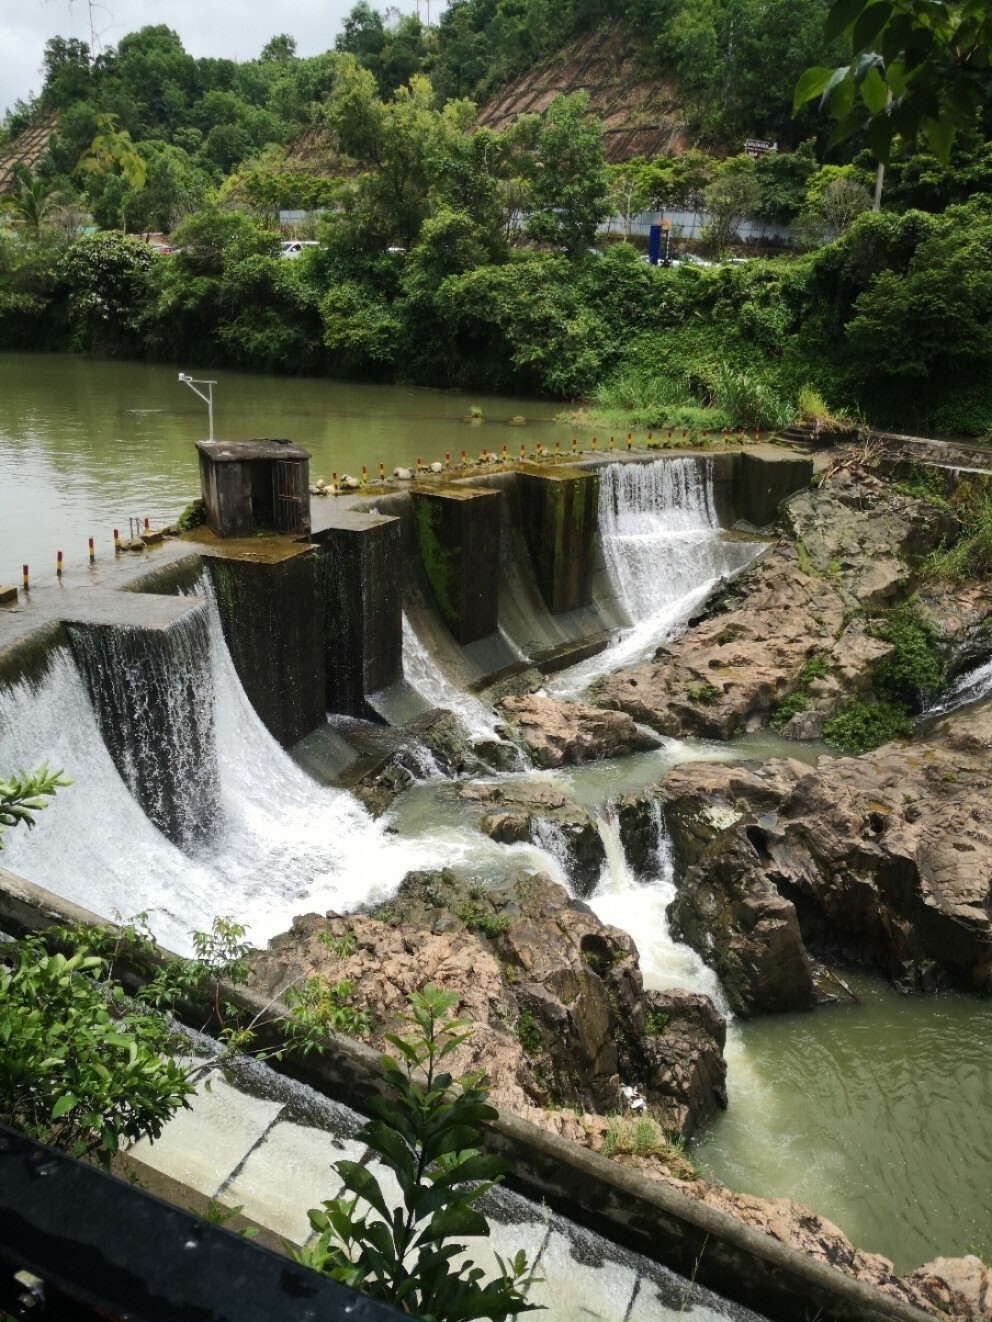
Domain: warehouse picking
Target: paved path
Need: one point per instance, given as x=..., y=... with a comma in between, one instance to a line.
x=263, y=1142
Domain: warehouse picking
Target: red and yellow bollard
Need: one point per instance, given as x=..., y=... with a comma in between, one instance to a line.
x=92, y=552
x=25, y=578
x=382, y=472
x=575, y=445
x=594, y=442
x=117, y=541
x=58, y=565
x=365, y=476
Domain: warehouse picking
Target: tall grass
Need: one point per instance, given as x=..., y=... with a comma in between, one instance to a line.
x=751, y=401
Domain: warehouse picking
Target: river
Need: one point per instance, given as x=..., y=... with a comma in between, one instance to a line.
x=875, y=1114
x=86, y=445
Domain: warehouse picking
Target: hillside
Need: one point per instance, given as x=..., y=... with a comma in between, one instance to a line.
x=27, y=148
x=641, y=112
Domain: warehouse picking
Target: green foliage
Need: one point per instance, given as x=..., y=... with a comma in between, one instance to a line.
x=750, y=400
x=915, y=670
x=528, y=1033
x=706, y=693
x=320, y=1007
x=655, y=1023
x=971, y=554
x=481, y=919
x=864, y=725
x=427, y=1132
x=568, y=196
x=915, y=67
x=339, y=946
x=77, y=1068
x=194, y=515
x=797, y=702
x=25, y=794
x=107, y=278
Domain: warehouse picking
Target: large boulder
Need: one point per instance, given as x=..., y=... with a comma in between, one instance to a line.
x=561, y=1014
x=884, y=859
x=512, y=811
x=556, y=733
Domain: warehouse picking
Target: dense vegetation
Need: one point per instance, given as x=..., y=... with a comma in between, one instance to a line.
x=450, y=257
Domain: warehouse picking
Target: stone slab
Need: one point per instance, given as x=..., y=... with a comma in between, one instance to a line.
x=287, y=1174
x=204, y=1145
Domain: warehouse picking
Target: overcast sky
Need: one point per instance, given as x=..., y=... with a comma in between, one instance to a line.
x=234, y=28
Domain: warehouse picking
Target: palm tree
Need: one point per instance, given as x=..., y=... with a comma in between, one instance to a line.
x=36, y=198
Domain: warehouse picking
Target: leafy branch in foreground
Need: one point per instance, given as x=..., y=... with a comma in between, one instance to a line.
x=428, y=1134
x=25, y=794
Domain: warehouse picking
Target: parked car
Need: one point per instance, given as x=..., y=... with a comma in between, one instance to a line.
x=293, y=248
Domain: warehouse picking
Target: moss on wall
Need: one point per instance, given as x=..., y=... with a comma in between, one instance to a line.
x=440, y=562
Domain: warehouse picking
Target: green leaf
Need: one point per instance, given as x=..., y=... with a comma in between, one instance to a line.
x=874, y=91
x=870, y=24
x=455, y=1221
x=363, y=1183
x=842, y=14
x=64, y=1104
x=810, y=85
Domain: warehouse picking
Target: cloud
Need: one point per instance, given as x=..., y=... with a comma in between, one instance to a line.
x=235, y=29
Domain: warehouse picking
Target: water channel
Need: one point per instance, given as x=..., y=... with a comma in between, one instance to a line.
x=873, y=1113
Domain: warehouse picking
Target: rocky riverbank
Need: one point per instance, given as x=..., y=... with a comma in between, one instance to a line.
x=811, y=625
x=571, y=1042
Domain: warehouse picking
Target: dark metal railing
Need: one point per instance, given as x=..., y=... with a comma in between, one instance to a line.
x=76, y=1243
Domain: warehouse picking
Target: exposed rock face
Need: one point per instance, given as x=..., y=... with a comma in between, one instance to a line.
x=568, y=732
x=850, y=554
x=957, y=1287
x=557, y=995
x=514, y=811
x=884, y=858
x=395, y=758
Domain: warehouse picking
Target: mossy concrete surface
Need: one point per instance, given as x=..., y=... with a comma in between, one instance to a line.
x=363, y=608
x=273, y=619
x=457, y=529
x=559, y=512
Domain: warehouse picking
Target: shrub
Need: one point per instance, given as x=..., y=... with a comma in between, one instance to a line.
x=862, y=726
x=193, y=516
x=797, y=702
x=480, y=919
x=915, y=670
x=528, y=1033
x=750, y=400
x=429, y=1135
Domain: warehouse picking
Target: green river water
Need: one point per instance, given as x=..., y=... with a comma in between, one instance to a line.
x=877, y=1113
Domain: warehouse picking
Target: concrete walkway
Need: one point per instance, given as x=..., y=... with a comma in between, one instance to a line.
x=262, y=1142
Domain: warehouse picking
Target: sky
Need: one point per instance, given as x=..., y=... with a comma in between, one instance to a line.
x=237, y=29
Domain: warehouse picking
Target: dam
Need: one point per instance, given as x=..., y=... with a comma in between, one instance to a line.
x=217, y=699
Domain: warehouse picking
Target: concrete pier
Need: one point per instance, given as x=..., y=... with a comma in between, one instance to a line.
x=458, y=538
x=363, y=607
x=272, y=610
x=559, y=511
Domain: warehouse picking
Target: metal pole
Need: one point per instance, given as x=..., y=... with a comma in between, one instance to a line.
x=210, y=409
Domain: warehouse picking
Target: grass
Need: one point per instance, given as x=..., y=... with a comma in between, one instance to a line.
x=479, y=919
x=705, y=694
x=655, y=1023
x=792, y=706
x=339, y=946
x=645, y=1138
x=971, y=555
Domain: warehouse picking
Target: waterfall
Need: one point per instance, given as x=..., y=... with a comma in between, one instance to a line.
x=155, y=706
x=664, y=552
x=423, y=673
x=970, y=687
x=279, y=845
x=639, y=907
x=550, y=839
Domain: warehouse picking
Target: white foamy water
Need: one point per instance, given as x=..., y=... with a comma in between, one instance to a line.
x=973, y=686
x=281, y=844
x=423, y=673
x=638, y=906
x=662, y=544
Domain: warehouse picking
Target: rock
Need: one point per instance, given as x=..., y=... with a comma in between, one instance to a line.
x=556, y=995
x=957, y=1287
x=806, y=726
x=512, y=811
x=349, y=483
x=437, y=467
x=885, y=858
x=642, y=833
x=404, y=474
x=570, y=732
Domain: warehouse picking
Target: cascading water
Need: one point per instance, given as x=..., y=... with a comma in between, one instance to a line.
x=422, y=673
x=664, y=551
x=972, y=686
x=638, y=906
x=155, y=706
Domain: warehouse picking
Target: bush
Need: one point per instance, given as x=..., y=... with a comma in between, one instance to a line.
x=751, y=401
x=799, y=701
x=862, y=726
x=915, y=671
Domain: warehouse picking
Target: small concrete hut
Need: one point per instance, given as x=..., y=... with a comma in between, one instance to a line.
x=248, y=485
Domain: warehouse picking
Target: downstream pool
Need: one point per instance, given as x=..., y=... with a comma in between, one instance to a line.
x=86, y=445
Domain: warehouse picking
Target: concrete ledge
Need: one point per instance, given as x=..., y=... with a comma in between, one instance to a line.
x=457, y=531
x=701, y=1242
x=559, y=513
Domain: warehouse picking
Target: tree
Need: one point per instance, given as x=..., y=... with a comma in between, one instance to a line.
x=630, y=190
x=571, y=182
x=732, y=196
x=279, y=50
x=35, y=199
x=112, y=149
x=915, y=66
x=428, y=1133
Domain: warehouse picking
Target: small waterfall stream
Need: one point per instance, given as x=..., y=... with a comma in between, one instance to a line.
x=664, y=551
x=638, y=906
